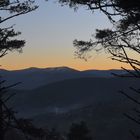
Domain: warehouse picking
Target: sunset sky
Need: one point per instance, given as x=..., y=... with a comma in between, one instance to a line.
x=49, y=32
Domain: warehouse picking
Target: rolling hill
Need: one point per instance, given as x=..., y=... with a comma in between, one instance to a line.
x=94, y=100
x=56, y=97
x=35, y=77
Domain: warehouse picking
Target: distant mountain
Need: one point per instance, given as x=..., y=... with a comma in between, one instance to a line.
x=35, y=77
x=95, y=100
x=104, y=73
x=74, y=92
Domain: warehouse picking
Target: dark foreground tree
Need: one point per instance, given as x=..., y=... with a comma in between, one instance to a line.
x=10, y=9
x=121, y=40
x=122, y=37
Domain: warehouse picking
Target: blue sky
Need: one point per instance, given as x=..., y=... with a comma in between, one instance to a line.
x=49, y=32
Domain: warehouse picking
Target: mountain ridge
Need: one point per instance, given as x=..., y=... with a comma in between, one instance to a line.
x=60, y=67
x=31, y=78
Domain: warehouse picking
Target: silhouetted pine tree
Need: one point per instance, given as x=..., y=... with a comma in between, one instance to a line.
x=120, y=40
x=10, y=9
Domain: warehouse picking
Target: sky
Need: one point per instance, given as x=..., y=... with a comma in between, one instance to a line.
x=49, y=33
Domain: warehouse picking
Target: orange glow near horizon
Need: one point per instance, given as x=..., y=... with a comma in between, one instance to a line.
x=13, y=62
x=49, y=57
x=80, y=68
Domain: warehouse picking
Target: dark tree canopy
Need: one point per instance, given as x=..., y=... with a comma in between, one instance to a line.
x=122, y=40
x=121, y=37
x=8, y=42
x=109, y=7
x=8, y=10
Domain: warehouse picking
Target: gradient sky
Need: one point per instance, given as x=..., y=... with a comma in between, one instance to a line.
x=49, y=32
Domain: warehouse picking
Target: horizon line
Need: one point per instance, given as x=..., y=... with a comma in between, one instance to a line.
x=60, y=67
